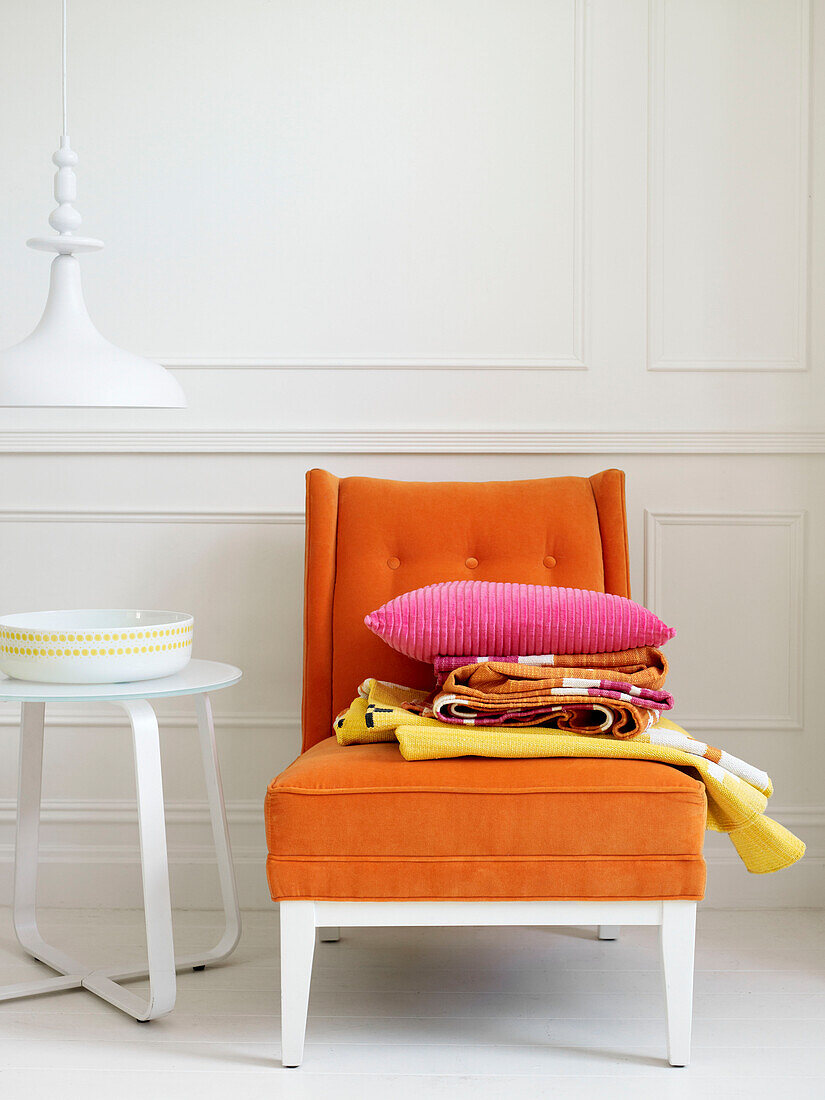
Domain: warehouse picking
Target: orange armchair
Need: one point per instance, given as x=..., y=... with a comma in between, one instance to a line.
x=357, y=836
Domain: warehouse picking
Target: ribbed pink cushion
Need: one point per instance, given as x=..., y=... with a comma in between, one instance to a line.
x=488, y=617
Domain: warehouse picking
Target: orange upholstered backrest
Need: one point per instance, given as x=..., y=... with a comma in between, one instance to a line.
x=368, y=540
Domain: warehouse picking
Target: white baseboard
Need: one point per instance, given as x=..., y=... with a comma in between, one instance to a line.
x=90, y=858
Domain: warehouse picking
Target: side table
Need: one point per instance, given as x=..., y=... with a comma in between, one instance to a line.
x=197, y=679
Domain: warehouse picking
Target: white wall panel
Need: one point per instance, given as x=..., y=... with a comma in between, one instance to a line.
x=728, y=184
x=734, y=584
x=233, y=571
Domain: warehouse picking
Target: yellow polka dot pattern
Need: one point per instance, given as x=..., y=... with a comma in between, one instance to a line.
x=105, y=643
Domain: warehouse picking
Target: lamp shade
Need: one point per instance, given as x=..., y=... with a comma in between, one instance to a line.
x=65, y=361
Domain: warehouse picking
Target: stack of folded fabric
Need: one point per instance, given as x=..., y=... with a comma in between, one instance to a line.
x=600, y=694
x=605, y=675
x=617, y=693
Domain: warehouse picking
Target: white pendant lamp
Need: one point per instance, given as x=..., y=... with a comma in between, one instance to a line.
x=65, y=361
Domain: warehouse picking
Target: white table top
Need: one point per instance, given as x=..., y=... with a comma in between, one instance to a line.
x=196, y=678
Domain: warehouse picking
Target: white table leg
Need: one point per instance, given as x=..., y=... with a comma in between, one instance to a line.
x=24, y=911
x=220, y=832
x=162, y=963
x=154, y=864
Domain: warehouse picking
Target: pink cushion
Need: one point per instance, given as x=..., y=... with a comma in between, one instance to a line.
x=460, y=617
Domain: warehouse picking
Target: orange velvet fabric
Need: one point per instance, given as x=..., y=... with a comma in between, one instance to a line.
x=361, y=822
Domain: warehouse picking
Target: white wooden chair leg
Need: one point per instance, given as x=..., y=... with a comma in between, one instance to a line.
x=677, y=938
x=297, y=950
x=608, y=931
x=329, y=935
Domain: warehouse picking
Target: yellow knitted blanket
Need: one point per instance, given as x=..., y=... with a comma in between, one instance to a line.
x=737, y=792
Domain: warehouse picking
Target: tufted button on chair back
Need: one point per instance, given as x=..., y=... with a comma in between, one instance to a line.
x=369, y=540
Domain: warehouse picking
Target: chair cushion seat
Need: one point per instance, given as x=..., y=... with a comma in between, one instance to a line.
x=361, y=823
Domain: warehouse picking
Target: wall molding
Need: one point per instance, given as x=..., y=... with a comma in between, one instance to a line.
x=410, y=441
x=103, y=812
x=286, y=517
x=83, y=718
x=386, y=362
x=795, y=522
x=656, y=361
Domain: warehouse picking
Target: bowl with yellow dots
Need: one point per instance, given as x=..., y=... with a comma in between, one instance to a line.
x=94, y=647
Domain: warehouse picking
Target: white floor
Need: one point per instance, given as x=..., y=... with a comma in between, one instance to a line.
x=403, y=1013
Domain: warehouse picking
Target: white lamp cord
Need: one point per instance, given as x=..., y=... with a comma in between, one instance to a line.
x=65, y=67
x=64, y=218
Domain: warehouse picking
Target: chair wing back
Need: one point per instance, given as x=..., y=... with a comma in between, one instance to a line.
x=368, y=540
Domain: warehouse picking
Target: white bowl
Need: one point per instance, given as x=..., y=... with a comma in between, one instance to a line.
x=94, y=647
